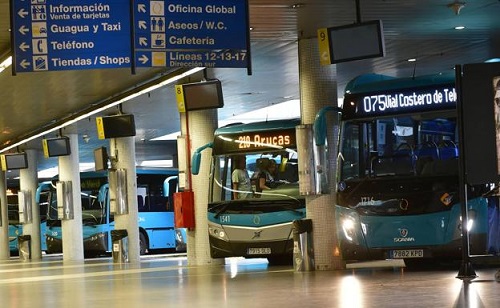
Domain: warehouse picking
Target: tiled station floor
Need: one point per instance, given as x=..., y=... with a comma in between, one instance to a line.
x=166, y=281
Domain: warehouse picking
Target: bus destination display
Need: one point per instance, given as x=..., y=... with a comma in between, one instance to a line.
x=385, y=103
x=248, y=141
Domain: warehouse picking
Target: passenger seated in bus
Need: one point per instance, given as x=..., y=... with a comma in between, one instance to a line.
x=265, y=177
x=242, y=187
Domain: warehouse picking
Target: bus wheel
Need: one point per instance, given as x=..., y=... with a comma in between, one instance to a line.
x=143, y=244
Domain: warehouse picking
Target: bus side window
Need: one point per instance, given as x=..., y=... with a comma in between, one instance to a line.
x=291, y=172
x=156, y=203
x=140, y=203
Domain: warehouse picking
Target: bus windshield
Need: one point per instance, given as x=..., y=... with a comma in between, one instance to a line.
x=280, y=183
x=399, y=146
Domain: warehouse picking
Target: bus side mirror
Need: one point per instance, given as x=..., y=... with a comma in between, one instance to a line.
x=196, y=159
x=195, y=163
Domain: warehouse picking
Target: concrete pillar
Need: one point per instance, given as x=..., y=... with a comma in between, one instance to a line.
x=28, y=180
x=72, y=233
x=201, y=127
x=124, y=150
x=4, y=214
x=318, y=89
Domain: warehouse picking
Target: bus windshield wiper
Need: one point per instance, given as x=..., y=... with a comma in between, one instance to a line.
x=288, y=207
x=221, y=210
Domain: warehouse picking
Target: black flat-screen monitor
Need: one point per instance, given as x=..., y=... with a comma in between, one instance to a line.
x=116, y=126
x=203, y=95
x=101, y=159
x=14, y=161
x=356, y=41
x=56, y=147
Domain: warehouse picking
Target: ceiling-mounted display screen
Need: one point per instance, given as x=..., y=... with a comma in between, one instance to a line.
x=116, y=126
x=14, y=161
x=200, y=95
x=56, y=147
x=352, y=42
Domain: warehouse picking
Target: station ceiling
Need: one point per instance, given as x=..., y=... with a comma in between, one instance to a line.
x=420, y=29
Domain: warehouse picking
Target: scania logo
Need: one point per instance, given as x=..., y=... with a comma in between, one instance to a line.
x=403, y=232
x=404, y=236
x=403, y=239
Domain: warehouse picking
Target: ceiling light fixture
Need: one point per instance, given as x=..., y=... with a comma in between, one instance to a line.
x=459, y=27
x=113, y=104
x=6, y=63
x=412, y=60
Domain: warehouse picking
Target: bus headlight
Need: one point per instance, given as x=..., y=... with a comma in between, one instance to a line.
x=348, y=227
x=97, y=237
x=218, y=233
x=470, y=223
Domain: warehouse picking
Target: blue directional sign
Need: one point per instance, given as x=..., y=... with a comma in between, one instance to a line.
x=70, y=34
x=180, y=33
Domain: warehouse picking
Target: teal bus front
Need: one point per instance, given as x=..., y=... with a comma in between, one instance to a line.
x=260, y=225
x=398, y=191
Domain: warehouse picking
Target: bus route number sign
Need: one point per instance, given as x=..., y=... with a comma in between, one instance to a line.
x=276, y=139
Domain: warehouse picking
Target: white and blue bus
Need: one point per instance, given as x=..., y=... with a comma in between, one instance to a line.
x=398, y=191
x=155, y=188
x=259, y=226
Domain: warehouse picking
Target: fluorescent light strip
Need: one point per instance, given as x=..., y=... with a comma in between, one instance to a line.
x=6, y=63
x=157, y=163
x=118, y=102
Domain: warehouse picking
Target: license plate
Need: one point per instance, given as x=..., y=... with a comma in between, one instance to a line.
x=259, y=251
x=407, y=253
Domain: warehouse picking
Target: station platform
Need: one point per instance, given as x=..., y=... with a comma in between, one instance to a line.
x=167, y=281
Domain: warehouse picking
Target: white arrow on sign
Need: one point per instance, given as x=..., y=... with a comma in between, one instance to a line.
x=142, y=24
x=143, y=41
x=24, y=46
x=24, y=30
x=141, y=8
x=22, y=13
x=144, y=59
x=25, y=63
x=324, y=55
